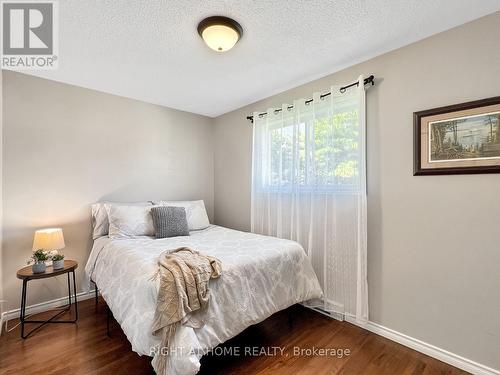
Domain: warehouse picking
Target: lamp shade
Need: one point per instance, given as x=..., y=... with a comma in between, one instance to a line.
x=220, y=38
x=48, y=239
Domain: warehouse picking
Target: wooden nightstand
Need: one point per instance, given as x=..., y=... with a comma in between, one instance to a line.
x=26, y=274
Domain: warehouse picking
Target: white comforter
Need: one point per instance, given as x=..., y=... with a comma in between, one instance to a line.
x=260, y=276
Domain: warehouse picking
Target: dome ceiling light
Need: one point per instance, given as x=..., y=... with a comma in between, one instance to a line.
x=220, y=33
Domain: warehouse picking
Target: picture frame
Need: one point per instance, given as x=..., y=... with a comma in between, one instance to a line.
x=457, y=139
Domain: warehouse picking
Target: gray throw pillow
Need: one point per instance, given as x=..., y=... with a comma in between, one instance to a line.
x=170, y=221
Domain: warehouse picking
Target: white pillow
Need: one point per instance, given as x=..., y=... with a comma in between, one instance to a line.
x=130, y=221
x=100, y=222
x=196, y=213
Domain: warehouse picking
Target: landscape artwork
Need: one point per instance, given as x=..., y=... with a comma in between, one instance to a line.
x=472, y=137
x=458, y=139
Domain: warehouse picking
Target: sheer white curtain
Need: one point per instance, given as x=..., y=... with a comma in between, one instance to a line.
x=309, y=185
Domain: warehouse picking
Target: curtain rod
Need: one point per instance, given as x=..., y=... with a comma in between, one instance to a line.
x=368, y=80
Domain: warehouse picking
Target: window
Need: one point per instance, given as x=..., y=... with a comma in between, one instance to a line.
x=312, y=151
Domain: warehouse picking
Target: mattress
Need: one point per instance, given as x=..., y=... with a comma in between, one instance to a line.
x=260, y=276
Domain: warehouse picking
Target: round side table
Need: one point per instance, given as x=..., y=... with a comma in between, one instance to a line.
x=26, y=274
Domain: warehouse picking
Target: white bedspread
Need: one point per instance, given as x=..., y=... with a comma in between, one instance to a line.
x=260, y=276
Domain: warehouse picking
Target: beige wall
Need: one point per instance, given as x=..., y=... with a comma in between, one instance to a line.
x=434, y=248
x=66, y=147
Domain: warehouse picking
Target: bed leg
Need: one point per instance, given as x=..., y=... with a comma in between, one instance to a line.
x=108, y=317
x=96, y=294
x=290, y=318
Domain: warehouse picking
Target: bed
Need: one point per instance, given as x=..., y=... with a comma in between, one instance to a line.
x=261, y=275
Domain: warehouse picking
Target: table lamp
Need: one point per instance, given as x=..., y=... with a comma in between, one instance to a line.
x=49, y=240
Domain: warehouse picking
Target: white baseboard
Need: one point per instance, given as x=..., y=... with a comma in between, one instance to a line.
x=428, y=349
x=44, y=306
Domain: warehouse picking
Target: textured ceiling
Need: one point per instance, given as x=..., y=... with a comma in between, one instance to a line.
x=150, y=50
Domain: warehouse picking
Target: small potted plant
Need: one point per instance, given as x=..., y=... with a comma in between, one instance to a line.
x=38, y=259
x=57, y=261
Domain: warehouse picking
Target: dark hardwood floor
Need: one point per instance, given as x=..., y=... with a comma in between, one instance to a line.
x=85, y=349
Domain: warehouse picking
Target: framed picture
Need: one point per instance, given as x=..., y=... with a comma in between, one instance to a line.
x=458, y=139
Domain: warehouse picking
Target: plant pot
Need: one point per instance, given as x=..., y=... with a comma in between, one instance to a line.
x=58, y=264
x=39, y=267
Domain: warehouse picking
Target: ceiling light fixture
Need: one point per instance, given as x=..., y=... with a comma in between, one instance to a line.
x=220, y=33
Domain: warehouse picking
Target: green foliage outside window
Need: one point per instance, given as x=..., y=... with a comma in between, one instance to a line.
x=330, y=159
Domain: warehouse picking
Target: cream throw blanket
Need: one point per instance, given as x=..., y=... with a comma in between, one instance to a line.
x=184, y=275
